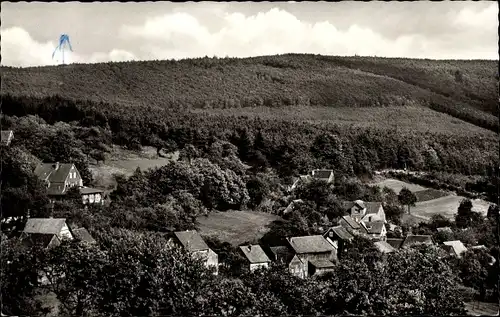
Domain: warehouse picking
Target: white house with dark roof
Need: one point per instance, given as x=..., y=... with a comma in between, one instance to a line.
x=192, y=242
x=7, y=136
x=92, y=195
x=48, y=232
x=325, y=175
x=255, y=256
x=374, y=230
x=310, y=248
x=365, y=211
x=59, y=177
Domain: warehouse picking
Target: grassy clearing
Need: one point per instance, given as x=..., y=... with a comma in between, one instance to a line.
x=431, y=201
x=123, y=161
x=236, y=227
x=429, y=194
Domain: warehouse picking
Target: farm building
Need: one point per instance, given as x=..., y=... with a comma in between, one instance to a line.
x=374, y=230
x=365, y=211
x=412, y=240
x=310, y=248
x=280, y=254
x=455, y=247
x=192, y=242
x=256, y=257
x=338, y=237
x=384, y=247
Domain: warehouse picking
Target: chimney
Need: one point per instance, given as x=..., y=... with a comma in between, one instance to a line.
x=56, y=166
x=249, y=247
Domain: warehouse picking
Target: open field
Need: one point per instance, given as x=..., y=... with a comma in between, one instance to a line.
x=434, y=202
x=122, y=161
x=235, y=227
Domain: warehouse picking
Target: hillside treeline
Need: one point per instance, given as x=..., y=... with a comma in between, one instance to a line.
x=463, y=89
x=292, y=147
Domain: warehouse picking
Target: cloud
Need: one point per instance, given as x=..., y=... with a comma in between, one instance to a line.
x=277, y=31
x=19, y=49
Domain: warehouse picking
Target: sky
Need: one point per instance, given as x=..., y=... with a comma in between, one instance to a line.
x=102, y=32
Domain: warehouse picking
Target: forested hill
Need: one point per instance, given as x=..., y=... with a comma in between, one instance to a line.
x=463, y=89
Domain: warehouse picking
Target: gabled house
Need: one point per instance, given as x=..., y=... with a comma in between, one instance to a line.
x=255, y=256
x=81, y=234
x=412, y=240
x=307, y=249
x=7, y=136
x=323, y=175
x=192, y=242
x=92, y=195
x=396, y=243
x=47, y=232
x=365, y=211
x=384, y=247
x=338, y=237
x=351, y=225
x=59, y=177
x=455, y=247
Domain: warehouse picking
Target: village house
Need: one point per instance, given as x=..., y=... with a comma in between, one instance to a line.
x=348, y=223
x=256, y=257
x=325, y=175
x=365, y=211
x=47, y=232
x=291, y=206
x=444, y=229
x=396, y=243
x=312, y=254
x=192, y=242
x=7, y=136
x=455, y=247
x=58, y=177
x=339, y=237
x=92, y=195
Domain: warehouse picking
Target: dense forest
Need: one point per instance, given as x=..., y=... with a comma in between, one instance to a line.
x=235, y=161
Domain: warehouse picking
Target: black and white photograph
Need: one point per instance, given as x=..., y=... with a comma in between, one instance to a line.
x=293, y=158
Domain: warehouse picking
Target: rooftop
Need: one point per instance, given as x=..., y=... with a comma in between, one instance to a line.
x=44, y=225
x=254, y=253
x=322, y=264
x=457, y=246
x=310, y=244
x=191, y=240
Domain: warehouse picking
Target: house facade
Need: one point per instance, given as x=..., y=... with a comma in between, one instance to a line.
x=92, y=196
x=307, y=249
x=338, y=237
x=374, y=230
x=59, y=177
x=192, y=242
x=365, y=211
x=255, y=256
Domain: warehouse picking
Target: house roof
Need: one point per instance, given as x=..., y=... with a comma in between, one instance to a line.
x=384, y=247
x=310, y=244
x=40, y=239
x=341, y=232
x=448, y=248
x=394, y=242
x=83, y=235
x=483, y=247
x=444, y=229
x=6, y=136
x=457, y=246
x=56, y=189
x=322, y=174
x=372, y=207
x=191, y=240
x=417, y=239
x=44, y=225
x=374, y=227
x=360, y=203
x=254, y=253
x=321, y=264
x=47, y=171
x=351, y=222
x=89, y=190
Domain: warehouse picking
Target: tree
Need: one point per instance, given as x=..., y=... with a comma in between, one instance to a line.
x=465, y=217
x=258, y=189
x=406, y=197
x=188, y=153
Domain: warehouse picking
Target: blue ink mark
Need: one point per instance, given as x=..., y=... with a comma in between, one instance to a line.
x=63, y=42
